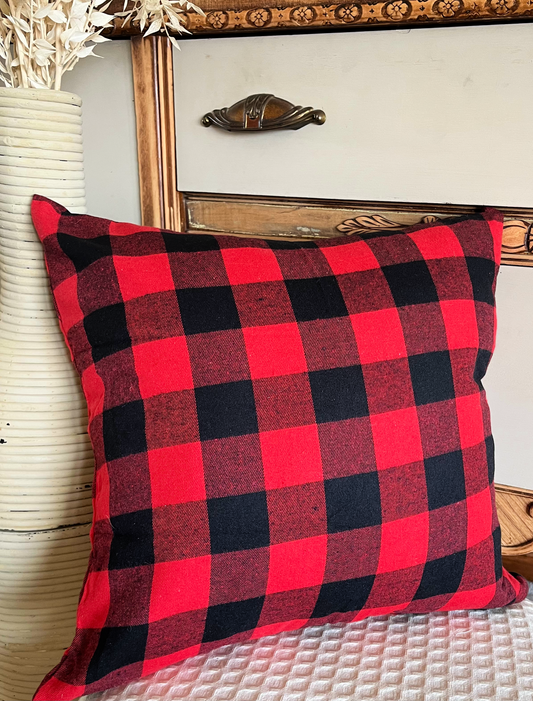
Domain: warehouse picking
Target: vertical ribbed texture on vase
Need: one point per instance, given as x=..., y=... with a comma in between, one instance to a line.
x=46, y=461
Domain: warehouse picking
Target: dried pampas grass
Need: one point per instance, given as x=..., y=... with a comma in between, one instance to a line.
x=159, y=15
x=41, y=40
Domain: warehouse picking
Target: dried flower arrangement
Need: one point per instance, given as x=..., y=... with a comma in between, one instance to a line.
x=41, y=40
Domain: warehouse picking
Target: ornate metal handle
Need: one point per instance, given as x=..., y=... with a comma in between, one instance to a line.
x=261, y=113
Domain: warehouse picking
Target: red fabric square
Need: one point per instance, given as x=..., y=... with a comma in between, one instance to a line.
x=350, y=258
x=176, y=474
x=297, y=565
x=470, y=420
x=138, y=276
x=245, y=265
x=102, y=490
x=460, y=321
x=172, y=592
x=462, y=600
x=291, y=456
x=437, y=241
x=274, y=350
x=67, y=292
x=397, y=438
x=94, y=603
x=163, y=366
x=379, y=335
x=480, y=517
x=404, y=543
x=94, y=390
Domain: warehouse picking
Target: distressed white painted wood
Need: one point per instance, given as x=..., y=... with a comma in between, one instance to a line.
x=423, y=115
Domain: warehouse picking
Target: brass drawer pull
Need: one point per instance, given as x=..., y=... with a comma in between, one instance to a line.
x=261, y=113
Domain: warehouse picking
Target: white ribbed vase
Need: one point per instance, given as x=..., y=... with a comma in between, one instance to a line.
x=46, y=461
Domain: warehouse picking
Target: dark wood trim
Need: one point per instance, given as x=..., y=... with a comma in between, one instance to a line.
x=292, y=217
x=520, y=565
x=251, y=17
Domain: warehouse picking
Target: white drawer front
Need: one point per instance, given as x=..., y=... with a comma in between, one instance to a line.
x=424, y=115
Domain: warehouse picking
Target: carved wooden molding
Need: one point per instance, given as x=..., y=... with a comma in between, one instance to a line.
x=247, y=16
x=517, y=245
x=311, y=218
x=515, y=511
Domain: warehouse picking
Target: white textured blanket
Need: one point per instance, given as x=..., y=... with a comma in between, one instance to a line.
x=459, y=656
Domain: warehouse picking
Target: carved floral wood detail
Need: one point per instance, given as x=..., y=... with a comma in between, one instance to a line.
x=517, y=233
x=243, y=16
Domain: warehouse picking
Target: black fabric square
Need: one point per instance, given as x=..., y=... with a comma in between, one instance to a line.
x=343, y=597
x=133, y=540
x=353, y=502
x=290, y=245
x=83, y=253
x=238, y=522
x=445, y=479
x=338, y=394
x=316, y=298
x=226, y=410
x=205, y=309
x=107, y=331
x=497, y=540
x=225, y=620
x=411, y=283
x=482, y=362
x=482, y=272
x=117, y=647
x=188, y=243
x=442, y=576
x=432, y=377
x=489, y=446
x=124, y=430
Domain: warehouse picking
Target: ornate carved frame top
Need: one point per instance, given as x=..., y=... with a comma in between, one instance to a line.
x=253, y=16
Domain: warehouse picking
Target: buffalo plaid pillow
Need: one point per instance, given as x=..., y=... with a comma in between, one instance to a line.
x=285, y=433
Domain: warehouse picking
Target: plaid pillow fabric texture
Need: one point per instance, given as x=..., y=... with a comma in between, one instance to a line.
x=285, y=433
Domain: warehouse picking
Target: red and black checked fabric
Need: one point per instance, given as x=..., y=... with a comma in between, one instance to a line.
x=285, y=433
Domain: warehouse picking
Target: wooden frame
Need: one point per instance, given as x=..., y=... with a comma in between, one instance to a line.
x=163, y=206
x=259, y=16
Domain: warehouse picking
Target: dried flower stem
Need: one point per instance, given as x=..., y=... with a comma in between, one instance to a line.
x=41, y=40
